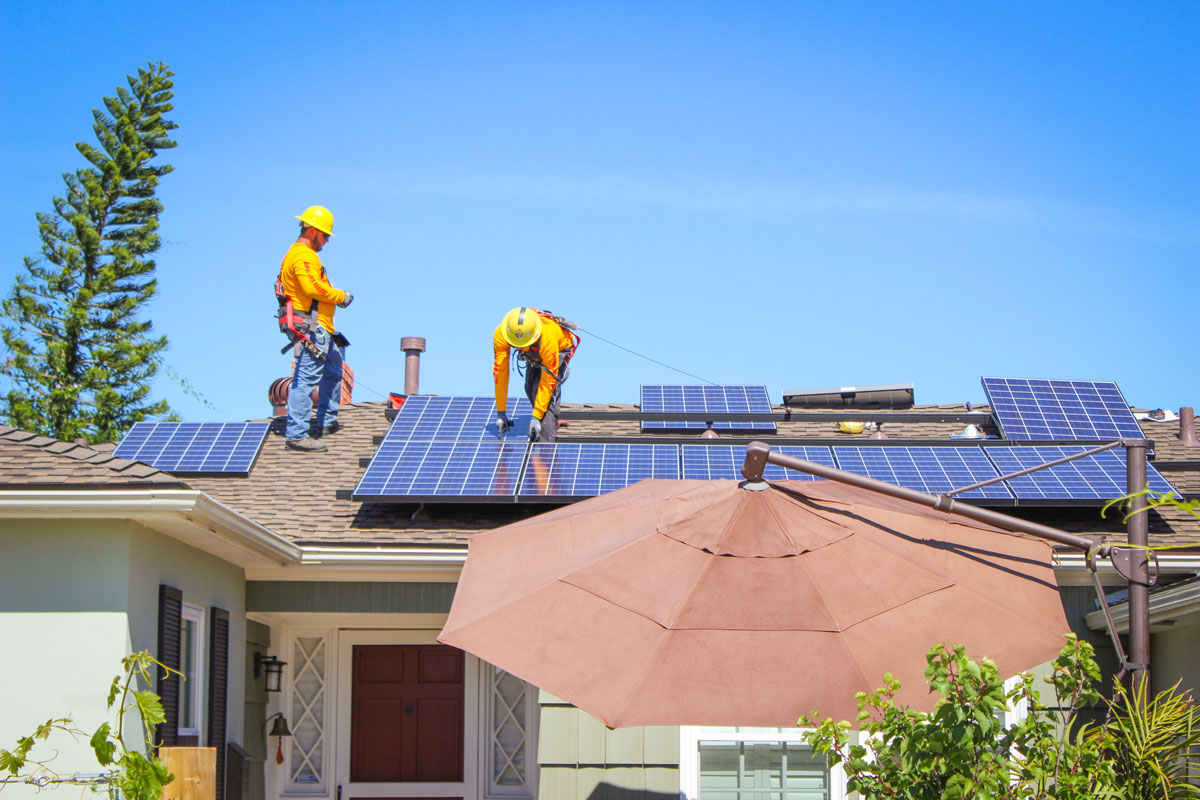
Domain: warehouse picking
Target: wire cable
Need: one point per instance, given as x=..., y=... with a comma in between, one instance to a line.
x=648, y=358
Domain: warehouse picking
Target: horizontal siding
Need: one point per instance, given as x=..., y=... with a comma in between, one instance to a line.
x=348, y=596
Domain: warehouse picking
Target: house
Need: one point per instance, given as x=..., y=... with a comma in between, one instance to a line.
x=227, y=575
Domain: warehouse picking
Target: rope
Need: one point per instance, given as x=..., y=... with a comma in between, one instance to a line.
x=648, y=358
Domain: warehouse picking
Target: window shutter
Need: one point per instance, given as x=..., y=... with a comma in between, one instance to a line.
x=170, y=607
x=218, y=689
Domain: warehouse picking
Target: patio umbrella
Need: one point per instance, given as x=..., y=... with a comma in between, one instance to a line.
x=706, y=603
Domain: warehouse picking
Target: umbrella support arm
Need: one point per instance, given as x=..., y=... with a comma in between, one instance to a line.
x=758, y=455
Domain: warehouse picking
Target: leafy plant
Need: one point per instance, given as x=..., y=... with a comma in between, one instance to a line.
x=135, y=774
x=1152, y=742
x=963, y=749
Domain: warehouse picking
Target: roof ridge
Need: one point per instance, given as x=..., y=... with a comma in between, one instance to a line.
x=80, y=452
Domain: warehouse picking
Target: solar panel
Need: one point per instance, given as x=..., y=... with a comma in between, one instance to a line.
x=431, y=417
x=195, y=448
x=1040, y=409
x=698, y=399
x=724, y=461
x=409, y=470
x=927, y=469
x=1098, y=477
x=564, y=470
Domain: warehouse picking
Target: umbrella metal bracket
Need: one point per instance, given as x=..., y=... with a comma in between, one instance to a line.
x=1133, y=562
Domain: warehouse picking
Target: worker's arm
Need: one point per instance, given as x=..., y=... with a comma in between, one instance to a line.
x=500, y=369
x=312, y=281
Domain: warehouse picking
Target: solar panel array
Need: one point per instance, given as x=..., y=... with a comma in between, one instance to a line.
x=1098, y=477
x=1032, y=410
x=658, y=399
x=566, y=469
x=195, y=448
x=430, y=417
x=445, y=449
x=927, y=469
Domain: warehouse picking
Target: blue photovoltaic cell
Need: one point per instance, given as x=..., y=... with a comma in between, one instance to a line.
x=1098, y=477
x=585, y=470
x=698, y=399
x=219, y=448
x=927, y=469
x=418, y=469
x=1039, y=410
x=429, y=417
x=724, y=461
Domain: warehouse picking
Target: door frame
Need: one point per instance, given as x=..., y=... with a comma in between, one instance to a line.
x=468, y=789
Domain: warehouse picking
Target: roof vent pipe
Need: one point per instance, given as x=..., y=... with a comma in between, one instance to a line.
x=412, y=346
x=1187, y=427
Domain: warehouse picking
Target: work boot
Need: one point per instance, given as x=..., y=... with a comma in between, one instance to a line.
x=331, y=428
x=306, y=445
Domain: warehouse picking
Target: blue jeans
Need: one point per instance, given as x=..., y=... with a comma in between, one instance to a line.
x=325, y=375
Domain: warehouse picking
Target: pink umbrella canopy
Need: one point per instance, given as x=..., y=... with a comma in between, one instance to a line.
x=706, y=603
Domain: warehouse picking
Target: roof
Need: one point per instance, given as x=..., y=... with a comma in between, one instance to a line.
x=28, y=460
x=297, y=495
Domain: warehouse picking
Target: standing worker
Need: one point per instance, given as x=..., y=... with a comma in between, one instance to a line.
x=307, y=303
x=544, y=343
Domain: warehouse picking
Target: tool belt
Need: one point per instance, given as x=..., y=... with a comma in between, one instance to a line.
x=296, y=327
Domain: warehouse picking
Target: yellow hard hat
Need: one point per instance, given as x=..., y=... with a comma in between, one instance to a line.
x=318, y=217
x=521, y=327
x=849, y=427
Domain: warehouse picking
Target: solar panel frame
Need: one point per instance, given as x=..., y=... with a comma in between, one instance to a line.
x=724, y=462
x=565, y=471
x=697, y=399
x=1099, y=477
x=195, y=448
x=1028, y=409
x=409, y=470
x=458, y=418
x=933, y=470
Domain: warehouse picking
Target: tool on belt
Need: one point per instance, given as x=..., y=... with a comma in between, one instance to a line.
x=295, y=326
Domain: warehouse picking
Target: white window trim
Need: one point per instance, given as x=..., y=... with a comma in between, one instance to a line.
x=195, y=614
x=690, y=737
x=288, y=641
x=532, y=721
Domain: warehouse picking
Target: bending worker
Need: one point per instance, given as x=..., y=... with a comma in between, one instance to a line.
x=544, y=345
x=320, y=350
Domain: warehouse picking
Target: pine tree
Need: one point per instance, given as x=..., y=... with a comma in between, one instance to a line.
x=80, y=356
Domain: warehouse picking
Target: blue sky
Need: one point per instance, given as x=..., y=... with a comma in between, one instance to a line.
x=800, y=195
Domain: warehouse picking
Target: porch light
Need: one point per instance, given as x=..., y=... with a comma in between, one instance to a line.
x=274, y=668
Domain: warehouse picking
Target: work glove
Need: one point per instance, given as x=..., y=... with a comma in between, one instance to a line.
x=535, y=429
x=347, y=301
x=503, y=423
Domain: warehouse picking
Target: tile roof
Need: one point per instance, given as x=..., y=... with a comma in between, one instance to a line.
x=33, y=461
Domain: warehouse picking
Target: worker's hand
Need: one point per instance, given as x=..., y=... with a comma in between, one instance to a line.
x=503, y=423
x=535, y=429
x=347, y=301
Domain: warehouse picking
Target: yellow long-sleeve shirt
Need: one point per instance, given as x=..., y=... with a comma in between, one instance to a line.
x=550, y=346
x=304, y=280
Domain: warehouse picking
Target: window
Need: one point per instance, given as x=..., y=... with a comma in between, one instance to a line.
x=511, y=710
x=753, y=763
x=191, y=664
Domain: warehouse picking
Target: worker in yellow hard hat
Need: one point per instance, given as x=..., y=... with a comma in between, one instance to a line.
x=543, y=345
x=308, y=301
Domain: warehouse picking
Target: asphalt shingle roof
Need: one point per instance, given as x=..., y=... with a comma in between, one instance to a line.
x=30, y=460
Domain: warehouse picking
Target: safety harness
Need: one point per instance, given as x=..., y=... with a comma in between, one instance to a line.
x=295, y=326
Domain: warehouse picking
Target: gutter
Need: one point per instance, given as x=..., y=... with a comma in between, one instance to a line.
x=311, y=555
x=188, y=504
x=1070, y=568
x=1166, y=606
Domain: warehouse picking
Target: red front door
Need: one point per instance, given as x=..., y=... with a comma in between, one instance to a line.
x=406, y=720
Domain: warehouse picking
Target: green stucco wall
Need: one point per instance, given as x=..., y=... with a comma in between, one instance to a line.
x=76, y=596
x=1175, y=656
x=581, y=759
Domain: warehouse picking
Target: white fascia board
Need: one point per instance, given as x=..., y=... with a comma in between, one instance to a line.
x=435, y=557
x=150, y=506
x=1070, y=568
